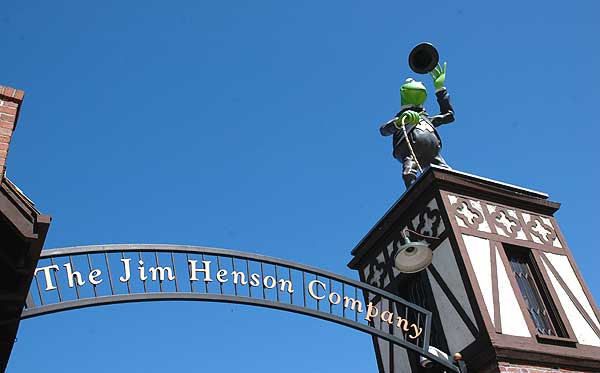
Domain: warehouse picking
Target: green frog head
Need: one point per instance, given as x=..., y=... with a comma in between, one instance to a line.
x=412, y=93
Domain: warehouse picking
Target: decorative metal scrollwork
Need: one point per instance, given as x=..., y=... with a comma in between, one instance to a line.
x=507, y=223
x=541, y=230
x=504, y=221
x=377, y=271
x=429, y=222
x=467, y=213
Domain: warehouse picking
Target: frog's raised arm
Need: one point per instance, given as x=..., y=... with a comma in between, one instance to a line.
x=443, y=98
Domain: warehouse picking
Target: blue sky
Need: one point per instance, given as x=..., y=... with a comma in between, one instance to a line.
x=253, y=125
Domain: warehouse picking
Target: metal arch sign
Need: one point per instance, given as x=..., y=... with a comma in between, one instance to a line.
x=78, y=277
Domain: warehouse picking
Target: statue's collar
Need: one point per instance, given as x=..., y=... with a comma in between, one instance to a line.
x=417, y=108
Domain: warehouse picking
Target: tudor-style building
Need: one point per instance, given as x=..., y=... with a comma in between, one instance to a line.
x=503, y=286
x=22, y=232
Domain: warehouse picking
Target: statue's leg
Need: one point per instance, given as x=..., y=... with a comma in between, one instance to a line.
x=409, y=171
x=438, y=160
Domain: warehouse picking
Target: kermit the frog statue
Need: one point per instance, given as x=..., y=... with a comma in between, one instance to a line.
x=416, y=141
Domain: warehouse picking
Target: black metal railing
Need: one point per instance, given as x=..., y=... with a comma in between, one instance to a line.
x=78, y=277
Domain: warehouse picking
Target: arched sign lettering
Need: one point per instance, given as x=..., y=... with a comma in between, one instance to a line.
x=77, y=277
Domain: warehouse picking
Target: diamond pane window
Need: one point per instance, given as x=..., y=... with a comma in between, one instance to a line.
x=532, y=289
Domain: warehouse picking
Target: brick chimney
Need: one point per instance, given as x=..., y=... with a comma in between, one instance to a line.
x=10, y=105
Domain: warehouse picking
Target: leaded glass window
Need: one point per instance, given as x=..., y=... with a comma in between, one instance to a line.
x=537, y=300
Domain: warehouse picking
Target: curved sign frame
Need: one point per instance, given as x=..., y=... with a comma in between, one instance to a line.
x=85, y=276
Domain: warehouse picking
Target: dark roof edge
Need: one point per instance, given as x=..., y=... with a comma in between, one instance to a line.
x=458, y=180
x=485, y=180
x=20, y=211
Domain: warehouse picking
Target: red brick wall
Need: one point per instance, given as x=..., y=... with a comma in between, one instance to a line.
x=515, y=368
x=10, y=104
